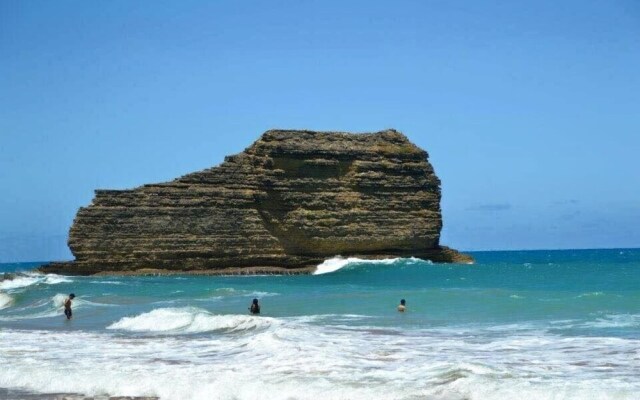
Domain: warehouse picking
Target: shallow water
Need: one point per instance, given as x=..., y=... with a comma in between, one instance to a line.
x=543, y=324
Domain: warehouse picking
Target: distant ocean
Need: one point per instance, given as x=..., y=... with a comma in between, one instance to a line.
x=514, y=325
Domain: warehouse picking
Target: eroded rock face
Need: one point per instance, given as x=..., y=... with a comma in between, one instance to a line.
x=291, y=200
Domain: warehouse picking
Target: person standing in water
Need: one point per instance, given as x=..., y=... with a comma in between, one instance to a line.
x=402, y=307
x=67, y=306
x=255, y=307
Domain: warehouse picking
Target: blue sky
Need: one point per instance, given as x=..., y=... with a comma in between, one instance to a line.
x=530, y=110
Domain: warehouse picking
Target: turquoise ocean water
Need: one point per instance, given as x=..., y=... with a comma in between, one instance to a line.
x=514, y=325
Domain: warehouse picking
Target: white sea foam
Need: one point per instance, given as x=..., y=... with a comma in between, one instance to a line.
x=52, y=279
x=615, y=321
x=337, y=263
x=329, y=317
x=228, y=291
x=47, y=308
x=108, y=282
x=58, y=300
x=188, y=320
x=28, y=279
x=205, y=299
x=78, y=302
x=290, y=359
x=5, y=300
x=262, y=294
x=18, y=282
x=604, y=322
x=591, y=294
x=225, y=290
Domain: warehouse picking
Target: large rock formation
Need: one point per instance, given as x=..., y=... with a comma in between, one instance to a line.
x=291, y=200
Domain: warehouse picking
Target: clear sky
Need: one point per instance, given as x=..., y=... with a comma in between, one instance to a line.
x=530, y=110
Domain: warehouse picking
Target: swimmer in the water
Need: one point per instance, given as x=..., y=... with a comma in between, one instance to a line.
x=402, y=307
x=67, y=306
x=255, y=307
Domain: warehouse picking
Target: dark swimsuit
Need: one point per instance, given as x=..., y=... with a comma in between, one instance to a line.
x=67, y=310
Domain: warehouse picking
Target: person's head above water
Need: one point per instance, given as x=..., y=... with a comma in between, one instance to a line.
x=71, y=296
x=402, y=302
x=255, y=301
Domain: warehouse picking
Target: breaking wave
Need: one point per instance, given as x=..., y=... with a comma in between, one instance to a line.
x=229, y=291
x=590, y=294
x=295, y=360
x=337, y=263
x=31, y=278
x=615, y=321
x=189, y=320
x=5, y=300
x=47, y=308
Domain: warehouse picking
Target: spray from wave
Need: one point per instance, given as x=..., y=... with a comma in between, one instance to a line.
x=58, y=300
x=189, y=320
x=337, y=263
x=32, y=278
x=229, y=291
x=309, y=361
x=46, y=308
x=615, y=321
x=5, y=301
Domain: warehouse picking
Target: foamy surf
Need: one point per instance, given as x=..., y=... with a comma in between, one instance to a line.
x=5, y=300
x=78, y=302
x=52, y=307
x=189, y=320
x=336, y=263
x=229, y=291
x=616, y=321
x=29, y=279
x=304, y=361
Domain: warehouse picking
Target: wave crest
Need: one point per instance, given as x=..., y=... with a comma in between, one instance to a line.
x=229, y=291
x=5, y=300
x=29, y=279
x=189, y=320
x=615, y=321
x=337, y=263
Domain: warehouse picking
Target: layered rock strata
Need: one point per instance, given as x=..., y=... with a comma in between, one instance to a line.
x=289, y=201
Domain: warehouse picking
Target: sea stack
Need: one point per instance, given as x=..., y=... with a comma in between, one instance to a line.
x=291, y=200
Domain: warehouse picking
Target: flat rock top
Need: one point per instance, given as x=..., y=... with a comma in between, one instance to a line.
x=337, y=142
